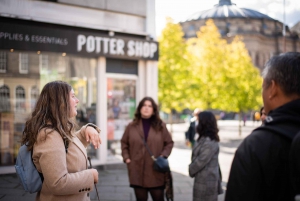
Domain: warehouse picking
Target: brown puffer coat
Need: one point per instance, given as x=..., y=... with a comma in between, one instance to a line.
x=140, y=169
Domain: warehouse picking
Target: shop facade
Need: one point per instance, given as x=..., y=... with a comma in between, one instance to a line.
x=110, y=71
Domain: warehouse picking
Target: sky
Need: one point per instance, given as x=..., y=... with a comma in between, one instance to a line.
x=180, y=10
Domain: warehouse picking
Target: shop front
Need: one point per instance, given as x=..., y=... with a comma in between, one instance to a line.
x=110, y=72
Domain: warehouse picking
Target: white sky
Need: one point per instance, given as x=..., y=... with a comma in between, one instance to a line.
x=180, y=10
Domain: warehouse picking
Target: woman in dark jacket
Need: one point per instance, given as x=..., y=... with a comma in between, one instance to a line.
x=205, y=164
x=146, y=125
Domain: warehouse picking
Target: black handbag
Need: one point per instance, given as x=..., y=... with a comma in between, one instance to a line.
x=161, y=164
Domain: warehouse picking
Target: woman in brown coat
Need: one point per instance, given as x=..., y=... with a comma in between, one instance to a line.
x=146, y=125
x=59, y=152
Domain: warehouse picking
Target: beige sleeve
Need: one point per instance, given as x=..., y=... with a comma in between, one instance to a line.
x=81, y=136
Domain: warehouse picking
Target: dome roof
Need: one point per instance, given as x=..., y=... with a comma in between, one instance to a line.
x=226, y=9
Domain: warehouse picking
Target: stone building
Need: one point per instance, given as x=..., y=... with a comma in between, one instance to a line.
x=262, y=35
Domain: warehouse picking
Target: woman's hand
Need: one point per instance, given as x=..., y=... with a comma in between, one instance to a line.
x=127, y=160
x=91, y=135
x=95, y=175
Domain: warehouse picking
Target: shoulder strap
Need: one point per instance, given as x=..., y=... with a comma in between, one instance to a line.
x=145, y=143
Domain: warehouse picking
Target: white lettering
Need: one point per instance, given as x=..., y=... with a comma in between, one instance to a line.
x=120, y=47
x=98, y=44
x=130, y=46
x=112, y=46
x=146, y=49
x=81, y=40
x=153, y=49
x=105, y=43
x=90, y=44
x=138, y=49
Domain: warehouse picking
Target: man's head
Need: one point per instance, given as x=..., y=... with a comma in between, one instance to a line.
x=196, y=112
x=281, y=80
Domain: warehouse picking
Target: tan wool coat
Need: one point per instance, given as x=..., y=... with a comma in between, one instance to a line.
x=66, y=177
x=140, y=169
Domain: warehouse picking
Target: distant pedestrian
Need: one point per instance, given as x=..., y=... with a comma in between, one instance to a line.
x=190, y=133
x=59, y=153
x=262, y=168
x=262, y=114
x=147, y=126
x=205, y=164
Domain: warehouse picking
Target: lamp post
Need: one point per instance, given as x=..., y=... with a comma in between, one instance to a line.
x=283, y=28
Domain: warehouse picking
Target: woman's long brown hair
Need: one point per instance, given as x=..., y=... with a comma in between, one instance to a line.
x=51, y=112
x=156, y=121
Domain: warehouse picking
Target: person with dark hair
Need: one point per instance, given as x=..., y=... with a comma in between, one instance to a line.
x=262, y=114
x=147, y=126
x=190, y=133
x=205, y=164
x=59, y=153
x=263, y=168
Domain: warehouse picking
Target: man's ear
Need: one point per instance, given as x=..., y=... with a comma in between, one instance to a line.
x=274, y=90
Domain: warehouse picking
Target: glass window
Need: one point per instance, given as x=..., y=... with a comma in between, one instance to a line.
x=4, y=99
x=3, y=61
x=23, y=63
x=43, y=62
x=79, y=72
x=20, y=99
x=34, y=95
x=121, y=103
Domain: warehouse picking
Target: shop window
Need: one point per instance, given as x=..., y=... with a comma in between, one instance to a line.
x=4, y=99
x=20, y=99
x=23, y=63
x=34, y=95
x=3, y=62
x=43, y=62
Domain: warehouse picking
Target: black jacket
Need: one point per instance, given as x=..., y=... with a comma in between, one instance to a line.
x=260, y=168
x=190, y=133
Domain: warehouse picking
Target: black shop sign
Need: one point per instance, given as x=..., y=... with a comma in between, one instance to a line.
x=85, y=42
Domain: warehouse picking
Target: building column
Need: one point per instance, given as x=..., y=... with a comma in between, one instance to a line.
x=101, y=109
x=141, y=83
x=152, y=80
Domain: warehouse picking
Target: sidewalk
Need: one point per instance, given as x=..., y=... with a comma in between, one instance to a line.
x=113, y=185
x=113, y=182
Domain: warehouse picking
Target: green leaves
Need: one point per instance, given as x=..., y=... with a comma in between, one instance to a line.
x=206, y=72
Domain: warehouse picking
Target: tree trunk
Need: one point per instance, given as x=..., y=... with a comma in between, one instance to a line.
x=171, y=123
x=240, y=123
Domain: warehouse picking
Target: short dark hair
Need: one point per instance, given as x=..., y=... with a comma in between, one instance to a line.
x=284, y=69
x=207, y=126
x=261, y=110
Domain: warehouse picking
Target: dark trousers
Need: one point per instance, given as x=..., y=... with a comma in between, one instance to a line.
x=141, y=194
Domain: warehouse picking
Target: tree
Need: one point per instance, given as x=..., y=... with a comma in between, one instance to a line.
x=173, y=68
x=224, y=72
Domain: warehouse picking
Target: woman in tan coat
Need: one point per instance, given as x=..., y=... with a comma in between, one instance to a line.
x=59, y=152
x=146, y=125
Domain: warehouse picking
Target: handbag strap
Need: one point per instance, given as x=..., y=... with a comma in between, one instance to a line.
x=94, y=184
x=145, y=143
